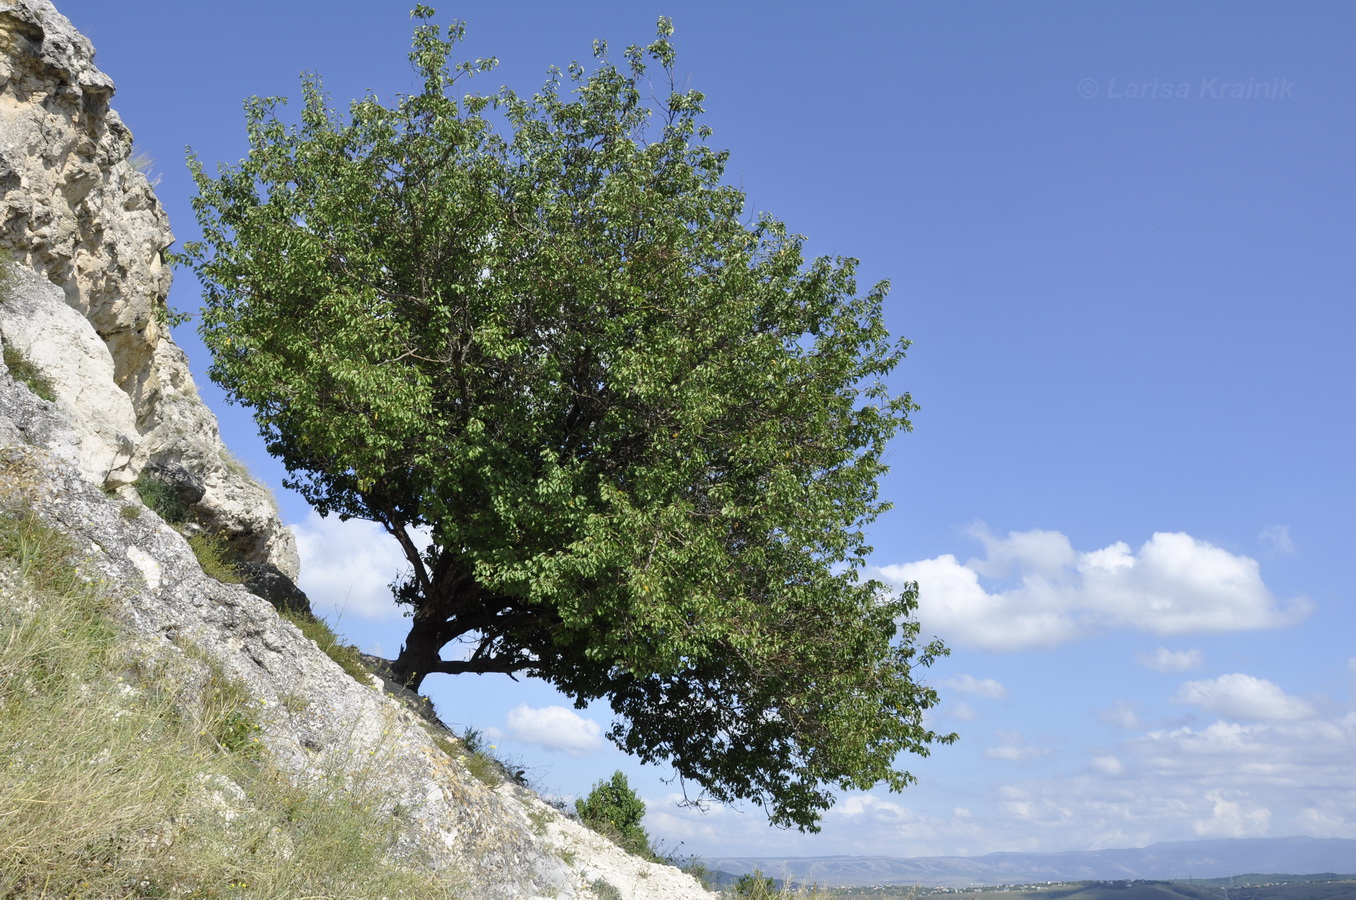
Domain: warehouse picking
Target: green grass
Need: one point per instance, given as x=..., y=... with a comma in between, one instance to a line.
x=160, y=496
x=214, y=557
x=23, y=370
x=117, y=780
x=346, y=655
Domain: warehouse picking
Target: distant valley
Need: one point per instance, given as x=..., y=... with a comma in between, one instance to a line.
x=1257, y=887
x=1177, y=861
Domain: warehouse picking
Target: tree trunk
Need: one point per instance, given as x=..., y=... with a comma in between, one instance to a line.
x=421, y=653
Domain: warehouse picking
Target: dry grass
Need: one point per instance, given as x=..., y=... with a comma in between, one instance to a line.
x=115, y=783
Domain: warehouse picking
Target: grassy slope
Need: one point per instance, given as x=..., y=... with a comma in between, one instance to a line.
x=121, y=778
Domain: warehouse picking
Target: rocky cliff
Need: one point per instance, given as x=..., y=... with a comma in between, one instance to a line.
x=96, y=395
x=87, y=233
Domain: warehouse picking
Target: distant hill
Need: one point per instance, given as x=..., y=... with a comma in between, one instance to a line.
x=1178, y=860
x=1167, y=890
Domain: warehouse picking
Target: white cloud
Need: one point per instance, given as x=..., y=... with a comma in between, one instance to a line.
x=1232, y=818
x=1122, y=715
x=1238, y=696
x=554, y=728
x=347, y=567
x=1108, y=765
x=963, y=711
x=1052, y=595
x=1277, y=539
x=874, y=808
x=980, y=687
x=1165, y=660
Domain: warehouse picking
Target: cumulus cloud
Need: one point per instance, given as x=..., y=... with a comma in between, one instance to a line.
x=347, y=567
x=554, y=728
x=980, y=687
x=1238, y=696
x=1178, y=784
x=875, y=808
x=1049, y=594
x=1232, y=818
x=1165, y=660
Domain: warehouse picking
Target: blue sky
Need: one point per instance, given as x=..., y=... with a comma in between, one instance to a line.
x=1120, y=238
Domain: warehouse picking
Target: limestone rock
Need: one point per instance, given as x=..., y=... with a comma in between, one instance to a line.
x=61, y=343
x=75, y=209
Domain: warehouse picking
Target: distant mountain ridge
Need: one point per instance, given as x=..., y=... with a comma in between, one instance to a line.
x=1180, y=859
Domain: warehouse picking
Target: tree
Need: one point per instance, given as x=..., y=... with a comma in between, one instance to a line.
x=612, y=808
x=640, y=432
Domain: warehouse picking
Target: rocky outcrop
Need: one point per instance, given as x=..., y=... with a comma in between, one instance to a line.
x=83, y=226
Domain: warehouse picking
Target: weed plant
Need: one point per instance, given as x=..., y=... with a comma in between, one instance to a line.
x=214, y=557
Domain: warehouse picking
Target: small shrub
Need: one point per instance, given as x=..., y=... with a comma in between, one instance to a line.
x=605, y=890
x=484, y=768
x=539, y=818
x=215, y=558
x=755, y=886
x=614, y=810
x=22, y=370
x=161, y=496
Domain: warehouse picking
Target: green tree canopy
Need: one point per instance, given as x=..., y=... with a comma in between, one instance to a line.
x=643, y=432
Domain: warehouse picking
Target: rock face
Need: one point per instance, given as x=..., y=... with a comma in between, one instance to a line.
x=81, y=222
x=78, y=318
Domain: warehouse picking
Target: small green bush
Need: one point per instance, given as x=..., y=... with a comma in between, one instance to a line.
x=614, y=810
x=605, y=890
x=160, y=496
x=23, y=370
x=484, y=768
x=755, y=886
x=215, y=557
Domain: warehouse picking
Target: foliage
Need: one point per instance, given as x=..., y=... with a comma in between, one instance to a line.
x=643, y=433
x=604, y=889
x=613, y=809
x=755, y=886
